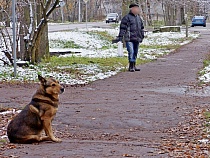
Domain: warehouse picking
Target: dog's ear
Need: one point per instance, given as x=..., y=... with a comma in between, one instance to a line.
x=42, y=80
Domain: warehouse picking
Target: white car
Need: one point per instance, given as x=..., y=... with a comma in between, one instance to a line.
x=112, y=17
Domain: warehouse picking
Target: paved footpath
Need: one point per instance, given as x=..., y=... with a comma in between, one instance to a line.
x=127, y=114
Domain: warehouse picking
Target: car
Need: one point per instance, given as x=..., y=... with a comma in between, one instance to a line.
x=199, y=21
x=112, y=17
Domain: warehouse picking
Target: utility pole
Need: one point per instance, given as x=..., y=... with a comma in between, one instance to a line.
x=186, y=22
x=86, y=12
x=62, y=4
x=14, y=35
x=146, y=6
x=79, y=11
x=186, y=18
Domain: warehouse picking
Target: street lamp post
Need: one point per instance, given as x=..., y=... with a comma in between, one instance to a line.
x=86, y=11
x=14, y=35
x=79, y=11
x=186, y=23
x=186, y=18
x=146, y=6
x=61, y=5
x=86, y=15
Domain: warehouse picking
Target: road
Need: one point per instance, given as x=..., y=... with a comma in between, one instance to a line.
x=61, y=27
x=53, y=27
x=70, y=26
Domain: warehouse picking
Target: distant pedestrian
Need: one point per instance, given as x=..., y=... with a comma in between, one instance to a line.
x=132, y=32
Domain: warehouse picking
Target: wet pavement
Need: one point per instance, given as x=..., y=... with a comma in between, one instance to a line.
x=125, y=115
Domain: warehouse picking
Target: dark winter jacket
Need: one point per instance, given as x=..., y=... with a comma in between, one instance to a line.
x=131, y=28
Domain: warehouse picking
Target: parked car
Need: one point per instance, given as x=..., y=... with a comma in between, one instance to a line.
x=112, y=17
x=199, y=21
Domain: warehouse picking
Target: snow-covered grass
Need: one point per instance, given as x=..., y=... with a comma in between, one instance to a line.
x=68, y=70
x=92, y=56
x=204, y=75
x=167, y=38
x=89, y=73
x=90, y=44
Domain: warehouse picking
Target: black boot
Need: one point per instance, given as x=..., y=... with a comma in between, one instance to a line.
x=136, y=69
x=131, y=67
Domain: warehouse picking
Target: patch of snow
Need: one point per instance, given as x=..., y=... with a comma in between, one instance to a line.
x=4, y=137
x=152, y=53
x=206, y=75
x=87, y=53
x=13, y=111
x=166, y=38
x=5, y=112
x=112, y=32
x=203, y=141
x=92, y=73
x=51, y=23
x=80, y=38
x=91, y=45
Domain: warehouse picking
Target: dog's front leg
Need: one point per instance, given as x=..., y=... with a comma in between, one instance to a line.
x=48, y=130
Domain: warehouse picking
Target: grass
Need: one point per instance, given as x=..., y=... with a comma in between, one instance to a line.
x=206, y=63
x=207, y=117
x=102, y=35
x=84, y=67
x=157, y=24
x=2, y=142
x=167, y=47
x=115, y=25
x=201, y=73
x=67, y=68
x=70, y=63
x=74, y=68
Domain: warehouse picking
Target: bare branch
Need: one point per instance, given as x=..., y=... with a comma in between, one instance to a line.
x=52, y=8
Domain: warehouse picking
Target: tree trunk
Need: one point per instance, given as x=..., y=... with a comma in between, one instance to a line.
x=43, y=47
x=20, y=54
x=37, y=49
x=43, y=50
x=26, y=23
x=7, y=9
x=74, y=11
x=164, y=14
x=149, y=13
x=142, y=6
x=125, y=4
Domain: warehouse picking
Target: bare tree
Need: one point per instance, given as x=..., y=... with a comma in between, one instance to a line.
x=34, y=36
x=32, y=17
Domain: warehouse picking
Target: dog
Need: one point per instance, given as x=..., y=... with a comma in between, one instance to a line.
x=37, y=116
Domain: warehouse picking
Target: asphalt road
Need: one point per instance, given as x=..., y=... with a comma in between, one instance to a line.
x=61, y=27
x=70, y=26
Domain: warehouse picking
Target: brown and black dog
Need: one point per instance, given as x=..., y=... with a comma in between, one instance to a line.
x=37, y=116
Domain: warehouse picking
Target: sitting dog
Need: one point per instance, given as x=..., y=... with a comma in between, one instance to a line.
x=37, y=116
